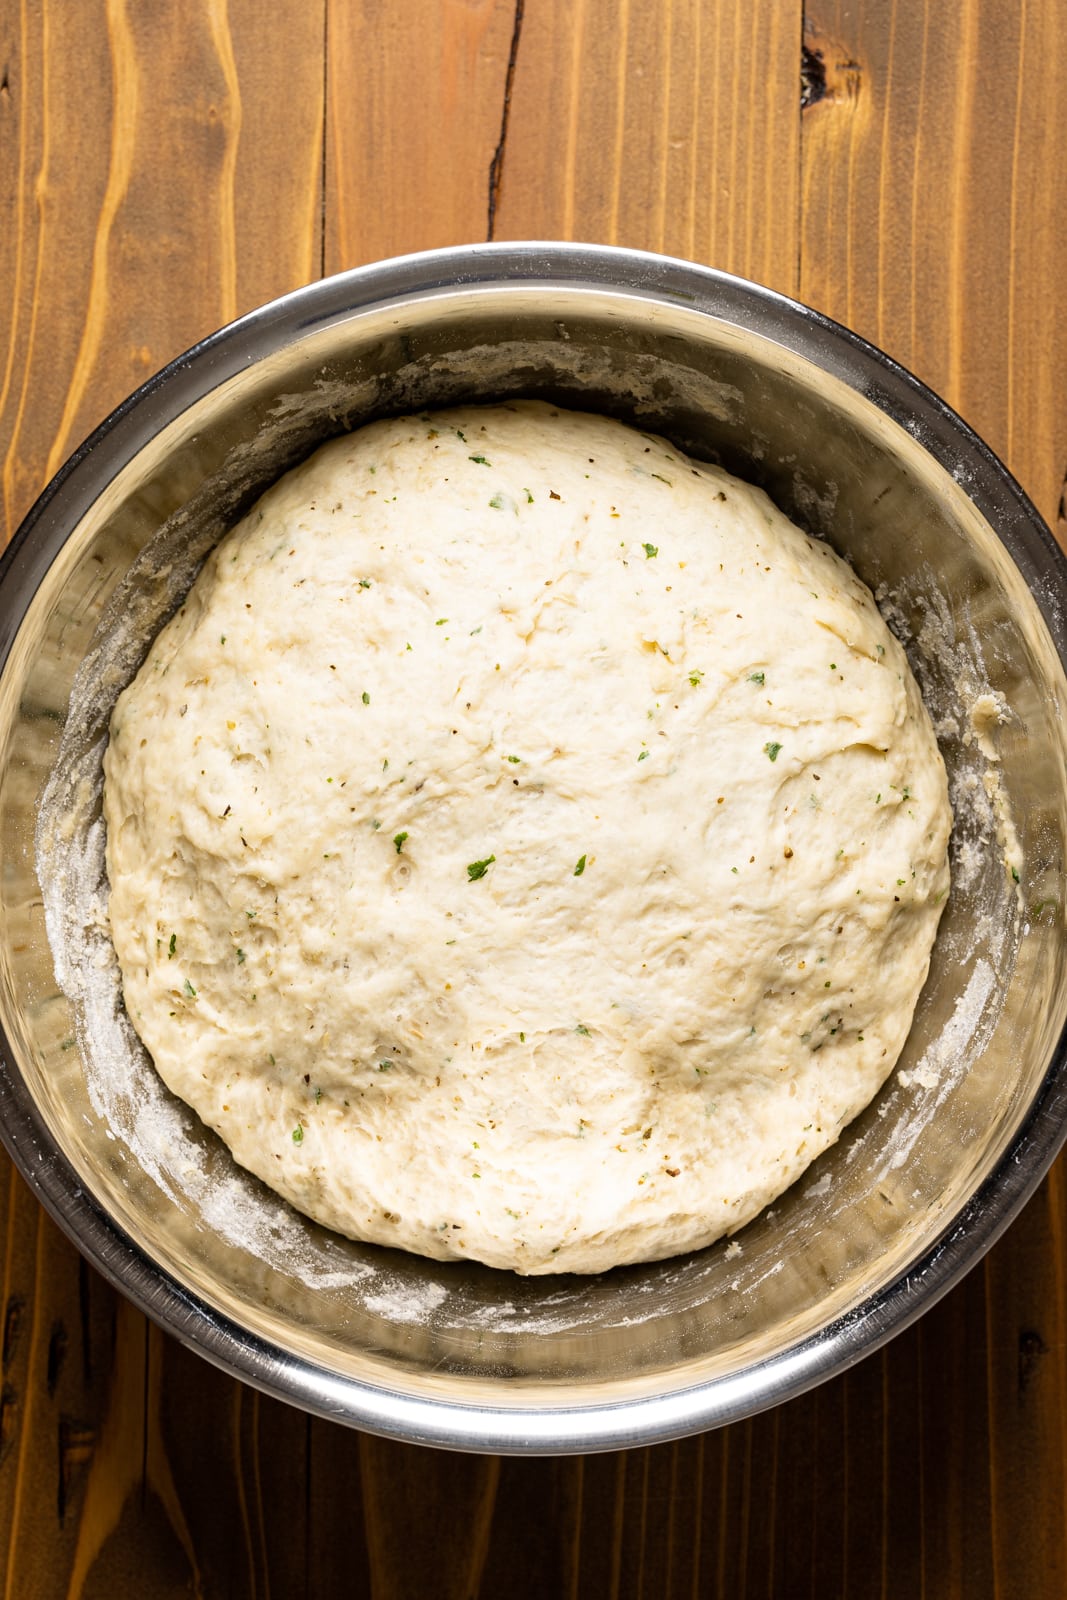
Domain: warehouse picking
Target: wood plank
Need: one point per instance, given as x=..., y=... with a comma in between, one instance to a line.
x=57, y=95
x=151, y=160
x=235, y=1466
x=668, y=127
x=153, y=192
x=58, y=1343
x=415, y=100
x=935, y=207
x=1026, y=1378
x=935, y=223
x=450, y=1500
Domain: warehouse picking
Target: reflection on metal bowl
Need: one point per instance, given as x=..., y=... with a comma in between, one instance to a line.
x=914, y=1191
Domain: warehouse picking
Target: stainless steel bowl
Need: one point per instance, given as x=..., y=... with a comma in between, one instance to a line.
x=915, y=1190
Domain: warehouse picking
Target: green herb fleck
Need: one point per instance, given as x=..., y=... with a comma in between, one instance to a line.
x=695, y=677
x=478, y=869
x=515, y=760
x=529, y=497
x=365, y=697
x=440, y=622
x=579, y=867
x=771, y=749
x=757, y=678
x=833, y=666
x=651, y=549
x=241, y=958
x=1014, y=876
x=364, y=583
x=189, y=990
x=398, y=840
x=643, y=756
x=497, y=502
x=522, y=1038
x=582, y=1029
x=298, y=1134
x=481, y=461
x=172, y=947
x=385, y=1066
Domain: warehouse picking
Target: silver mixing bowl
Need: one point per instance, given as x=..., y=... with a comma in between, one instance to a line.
x=915, y=1190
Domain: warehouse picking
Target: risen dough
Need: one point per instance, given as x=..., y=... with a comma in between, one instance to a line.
x=524, y=844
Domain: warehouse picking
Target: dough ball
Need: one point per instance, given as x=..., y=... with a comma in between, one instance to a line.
x=525, y=844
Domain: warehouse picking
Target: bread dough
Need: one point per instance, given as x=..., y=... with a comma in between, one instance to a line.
x=525, y=844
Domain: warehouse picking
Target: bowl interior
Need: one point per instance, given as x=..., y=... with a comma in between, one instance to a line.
x=115, y=547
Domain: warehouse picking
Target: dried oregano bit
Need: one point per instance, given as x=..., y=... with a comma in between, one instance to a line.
x=478, y=869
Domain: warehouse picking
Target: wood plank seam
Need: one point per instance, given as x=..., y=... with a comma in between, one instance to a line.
x=496, y=165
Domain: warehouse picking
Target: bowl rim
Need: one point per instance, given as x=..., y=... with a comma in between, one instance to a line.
x=549, y=1428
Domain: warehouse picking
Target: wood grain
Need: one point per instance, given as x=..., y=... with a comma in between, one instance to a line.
x=166, y=168
x=149, y=160
x=935, y=222
x=669, y=127
x=934, y=208
x=415, y=102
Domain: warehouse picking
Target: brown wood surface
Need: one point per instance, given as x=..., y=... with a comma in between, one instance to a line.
x=902, y=164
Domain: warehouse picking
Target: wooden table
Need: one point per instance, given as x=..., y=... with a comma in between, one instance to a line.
x=901, y=165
